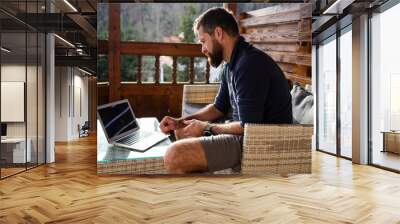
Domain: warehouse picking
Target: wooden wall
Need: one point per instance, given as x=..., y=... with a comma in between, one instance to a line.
x=283, y=32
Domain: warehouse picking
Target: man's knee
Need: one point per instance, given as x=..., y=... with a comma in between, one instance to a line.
x=173, y=158
x=184, y=156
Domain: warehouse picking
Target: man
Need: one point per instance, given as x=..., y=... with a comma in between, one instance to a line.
x=252, y=85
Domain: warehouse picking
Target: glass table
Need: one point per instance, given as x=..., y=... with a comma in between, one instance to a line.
x=117, y=160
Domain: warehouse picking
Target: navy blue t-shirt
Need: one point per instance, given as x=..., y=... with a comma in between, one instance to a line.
x=254, y=86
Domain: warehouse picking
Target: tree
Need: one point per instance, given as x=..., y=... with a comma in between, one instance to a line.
x=188, y=37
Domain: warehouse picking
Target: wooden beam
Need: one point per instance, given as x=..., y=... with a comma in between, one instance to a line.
x=285, y=17
x=296, y=78
x=286, y=47
x=114, y=52
x=153, y=49
x=270, y=37
x=163, y=49
x=289, y=57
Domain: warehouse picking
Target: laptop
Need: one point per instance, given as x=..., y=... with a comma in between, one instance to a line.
x=122, y=129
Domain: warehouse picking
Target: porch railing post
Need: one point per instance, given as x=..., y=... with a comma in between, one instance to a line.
x=114, y=50
x=174, y=65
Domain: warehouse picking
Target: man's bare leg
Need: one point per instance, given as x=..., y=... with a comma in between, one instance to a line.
x=185, y=156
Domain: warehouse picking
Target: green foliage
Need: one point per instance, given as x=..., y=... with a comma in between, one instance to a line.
x=102, y=22
x=148, y=68
x=186, y=28
x=102, y=68
x=128, y=68
x=187, y=23
x=167, y=73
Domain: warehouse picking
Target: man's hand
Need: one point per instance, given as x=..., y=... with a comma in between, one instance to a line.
x=194, y=128
x=169, y=124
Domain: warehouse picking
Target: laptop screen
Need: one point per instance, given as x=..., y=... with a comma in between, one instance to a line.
x=117, y=118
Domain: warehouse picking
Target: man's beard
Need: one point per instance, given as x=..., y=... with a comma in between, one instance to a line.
x=215, y=58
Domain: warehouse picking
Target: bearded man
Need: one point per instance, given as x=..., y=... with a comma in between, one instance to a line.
x=252, y=86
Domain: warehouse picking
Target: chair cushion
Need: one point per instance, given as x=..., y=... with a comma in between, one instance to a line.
x=302, y=105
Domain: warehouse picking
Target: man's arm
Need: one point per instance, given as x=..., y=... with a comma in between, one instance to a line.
x=233, y=128
x=207, y=113
x=195, y=128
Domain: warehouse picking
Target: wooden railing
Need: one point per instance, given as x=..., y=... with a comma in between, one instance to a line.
x=157, y=50
x=150, y=99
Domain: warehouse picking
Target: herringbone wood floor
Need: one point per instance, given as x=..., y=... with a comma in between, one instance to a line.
x=70, y=191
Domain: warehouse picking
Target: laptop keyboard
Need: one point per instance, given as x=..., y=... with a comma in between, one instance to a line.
x=134, y=138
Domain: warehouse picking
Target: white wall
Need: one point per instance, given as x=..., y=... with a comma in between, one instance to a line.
x=15, y=73
x=33, y=126
x=71, y=94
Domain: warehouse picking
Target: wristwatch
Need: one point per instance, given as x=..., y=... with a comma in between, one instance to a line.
x=208, y=130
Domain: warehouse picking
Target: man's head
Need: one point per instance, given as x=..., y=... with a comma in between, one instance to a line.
x=213, y=29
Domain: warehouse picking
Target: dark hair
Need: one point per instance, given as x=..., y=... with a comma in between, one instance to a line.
x=214, y=17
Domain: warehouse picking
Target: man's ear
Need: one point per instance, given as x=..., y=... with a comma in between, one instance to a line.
x=218, y=32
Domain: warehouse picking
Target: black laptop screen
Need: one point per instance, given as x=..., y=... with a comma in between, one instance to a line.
x=117, y=119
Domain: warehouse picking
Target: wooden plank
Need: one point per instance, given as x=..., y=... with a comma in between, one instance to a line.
x=275, y=28
x=289, y=57
x=281, y=8
x=286, y=47
x=304, y=28
x=272, y=37
x=273, y=10
x=304, y=25
x=301, y=70
x=114, y=52
x=285, y=17
x=306, y=11
x=163, y=49
x=296, y=78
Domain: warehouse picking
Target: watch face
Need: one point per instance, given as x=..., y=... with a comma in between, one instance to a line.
x=207, y=133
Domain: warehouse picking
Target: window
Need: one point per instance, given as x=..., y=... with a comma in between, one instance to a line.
x=327, y=95
x=346, y=92
x=385, y=86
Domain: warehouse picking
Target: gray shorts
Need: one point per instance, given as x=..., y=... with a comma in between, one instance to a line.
x=222, y=151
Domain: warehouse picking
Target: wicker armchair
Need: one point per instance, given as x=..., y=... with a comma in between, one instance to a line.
x=267, y=149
